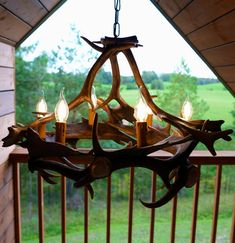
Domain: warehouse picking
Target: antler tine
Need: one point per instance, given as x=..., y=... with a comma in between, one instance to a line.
x=92, y=44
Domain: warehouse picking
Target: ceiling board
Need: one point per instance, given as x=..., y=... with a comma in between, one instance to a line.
x=221, y=56
x=12, y=27
x=201, y=12
x=215, y=34
x=29, y=11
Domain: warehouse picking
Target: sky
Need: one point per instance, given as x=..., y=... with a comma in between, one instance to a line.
x=163, y=48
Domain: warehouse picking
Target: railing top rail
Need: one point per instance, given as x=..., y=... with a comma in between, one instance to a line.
x=20, y=155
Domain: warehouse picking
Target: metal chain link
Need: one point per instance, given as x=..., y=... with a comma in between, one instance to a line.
x=116, y=25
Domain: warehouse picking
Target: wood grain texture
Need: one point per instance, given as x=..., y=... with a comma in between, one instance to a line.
x=7, y=79
x=29, y=11
x=5, y=174
x=5, y=122
x=221, y=56
x=49, y=4
x=7, y=102
x=12, y=27
x=6, y=195
x=172, y=8
x=217, y=33
x=201, y=12
x=9, y=234
x=227, y=72
x=7, y=55
x=6, y=217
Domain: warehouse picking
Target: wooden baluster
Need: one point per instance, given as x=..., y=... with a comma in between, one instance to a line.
x=86, y=213
x=108, y=218
x=216, y=202
x=232, y=237
x=195, y=209
x=152, y=215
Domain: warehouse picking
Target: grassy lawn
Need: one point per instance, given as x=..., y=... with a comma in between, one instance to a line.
x=141, y=222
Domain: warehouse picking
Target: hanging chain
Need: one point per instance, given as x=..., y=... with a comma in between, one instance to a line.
x=116, y=25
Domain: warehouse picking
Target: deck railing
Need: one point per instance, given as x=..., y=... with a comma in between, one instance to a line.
x=199, y=158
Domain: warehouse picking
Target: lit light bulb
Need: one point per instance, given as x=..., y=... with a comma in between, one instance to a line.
x=93, y=98
x=61, y=109
x=141, y=110
x=187, y=110
x=41, y=106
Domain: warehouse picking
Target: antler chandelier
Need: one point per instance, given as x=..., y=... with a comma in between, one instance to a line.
x=179, y=137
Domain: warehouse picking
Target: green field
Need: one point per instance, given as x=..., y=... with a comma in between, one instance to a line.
x=219, y=100
x=119, y=219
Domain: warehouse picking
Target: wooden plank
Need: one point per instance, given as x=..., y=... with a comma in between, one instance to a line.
x=7, y=78
x=5, y=174
x=7, y=55
x=216, y=33
x=8, y=234
x=232, y=234
x=5, y=122
x=12, y=27
x=172, y=8
x=29, y=11
x=49, y=4
x=221, y=56
x=6, y=195
x=6, y=217
x=7, y=102
x=201, y=12
x=227, y=72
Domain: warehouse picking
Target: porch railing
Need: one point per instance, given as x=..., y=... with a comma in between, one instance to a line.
x=199, y=158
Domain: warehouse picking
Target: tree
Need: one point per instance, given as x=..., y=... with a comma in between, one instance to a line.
x=182, y=86
x=149, y=76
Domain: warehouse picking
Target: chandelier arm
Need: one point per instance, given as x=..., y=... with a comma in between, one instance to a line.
x=92, y=44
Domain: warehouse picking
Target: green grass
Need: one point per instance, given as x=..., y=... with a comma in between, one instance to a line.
x=141, y=221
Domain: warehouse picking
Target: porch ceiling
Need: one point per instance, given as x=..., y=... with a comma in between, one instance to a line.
x=19, y=18
x=208, y=26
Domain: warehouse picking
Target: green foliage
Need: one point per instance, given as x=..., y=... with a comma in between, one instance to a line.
x=233, y=113
x=157, y=84
x=149, y=76
x=182, y=86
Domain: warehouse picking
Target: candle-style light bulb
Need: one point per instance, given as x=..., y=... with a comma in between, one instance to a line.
x=41, y=106
x=141, y=110
x=61, y=109
x=187, y=110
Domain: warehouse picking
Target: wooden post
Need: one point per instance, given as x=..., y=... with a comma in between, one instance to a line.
x=150, y=120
